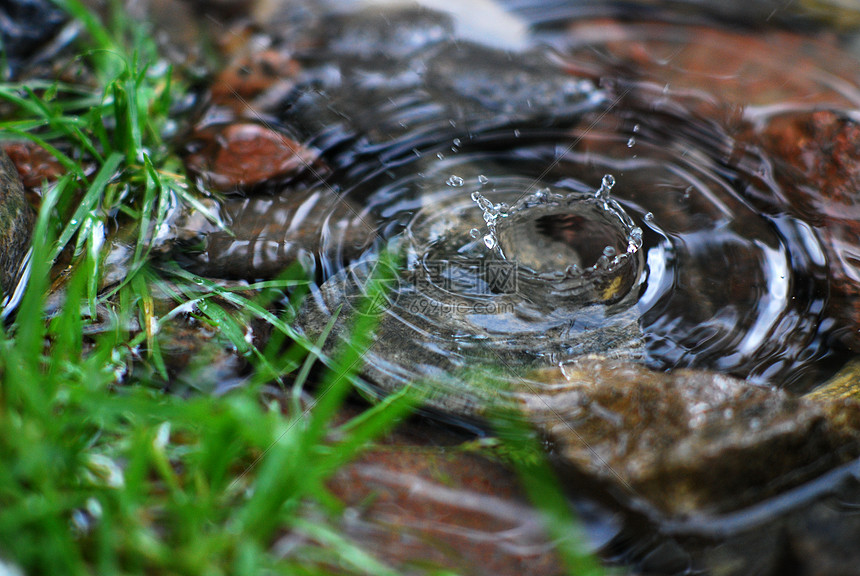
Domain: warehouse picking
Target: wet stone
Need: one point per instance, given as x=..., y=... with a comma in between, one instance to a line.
x=714, y=71
x=844, y=385
x=688, y=442
x=267, y=233
x=495, y=90
x=819, y=168
x=253, y=76
x=802, y=537
x=34, y=164
x=415, y=505
x=394, y=34
x=16, y=223
x=235, y=156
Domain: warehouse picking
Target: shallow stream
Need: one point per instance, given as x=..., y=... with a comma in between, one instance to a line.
x=562, y=187
x=635, y=222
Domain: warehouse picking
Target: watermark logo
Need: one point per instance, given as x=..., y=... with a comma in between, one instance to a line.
x=378, y=284
x=437, y=287
x=484, y=277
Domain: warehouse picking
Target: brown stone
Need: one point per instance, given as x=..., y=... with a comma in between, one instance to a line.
x=412, y=502
x=16, y=224
x=689, y=442
x=267, y=233
x=714, y=71
x=250, y=76
x=818, y=165
x=241, y=155
x=35, y=164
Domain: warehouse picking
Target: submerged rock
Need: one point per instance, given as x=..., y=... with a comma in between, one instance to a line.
x=422, y=497
x=16, y=224
x=817, y=163
x=265, y=234
x=254, y=76
x=688, y=442
x=241, y=155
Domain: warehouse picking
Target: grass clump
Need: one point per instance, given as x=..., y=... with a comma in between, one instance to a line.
x=100, y=471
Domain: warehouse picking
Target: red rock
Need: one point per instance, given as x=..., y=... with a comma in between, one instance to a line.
x=818, y=166
x=240, y=155
x=715, y=71
x=250, y=76
x=411, y=501
x=34, y=163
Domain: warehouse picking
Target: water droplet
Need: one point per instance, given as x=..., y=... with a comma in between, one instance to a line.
x=474, y=232
x=455, y=181
x=490, y=241
x=636, y=129
x=456, y=142
x=634, y=240
x=483, y=179
x=649, y=217
x=631, y=143
x=516, y=133
x=609, y=251
x=605, y=187
x=440, y=156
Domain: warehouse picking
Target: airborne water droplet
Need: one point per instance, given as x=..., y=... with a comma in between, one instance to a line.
x=490, y=241
x=605, y=187
x=455, y=181
x=649, y=217
x=631, y=142
x=483, y=179
x=474, y=232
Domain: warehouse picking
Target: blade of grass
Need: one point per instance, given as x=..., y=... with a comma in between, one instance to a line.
x=89, y=201
x=543, y=490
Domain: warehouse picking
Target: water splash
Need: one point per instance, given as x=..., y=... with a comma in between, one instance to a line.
x=491, y=213
x=605, y=189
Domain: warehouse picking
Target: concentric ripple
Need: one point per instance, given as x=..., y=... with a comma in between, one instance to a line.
x=674, y=269
x=598, y=193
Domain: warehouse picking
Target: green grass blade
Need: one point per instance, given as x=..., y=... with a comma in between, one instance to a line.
x=89, y=201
